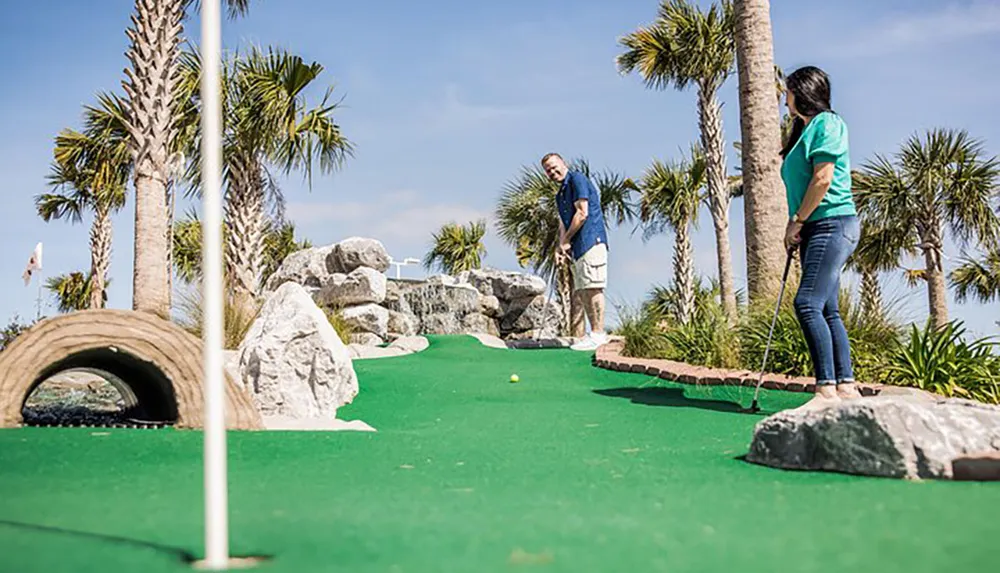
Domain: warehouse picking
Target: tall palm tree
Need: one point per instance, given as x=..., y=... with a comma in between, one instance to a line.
x=279, y=241
x=671, y=194
x=457, y=248
x=687, y=46
x=978, y=278
x=943, y=180
x=527, y=220
x=765, y=208
x=880, y=249
x=151, y=84
x=267, y=126
x=90, y=173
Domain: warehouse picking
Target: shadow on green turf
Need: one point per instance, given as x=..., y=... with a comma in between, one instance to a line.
x=177, y=552
x=673, y=397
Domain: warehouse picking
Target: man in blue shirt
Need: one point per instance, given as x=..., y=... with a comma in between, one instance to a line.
x=583, y=240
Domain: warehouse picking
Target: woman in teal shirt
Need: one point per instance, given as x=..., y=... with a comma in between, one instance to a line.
x=823, y=224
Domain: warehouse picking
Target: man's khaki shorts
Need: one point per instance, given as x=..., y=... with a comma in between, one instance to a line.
x=591, y=270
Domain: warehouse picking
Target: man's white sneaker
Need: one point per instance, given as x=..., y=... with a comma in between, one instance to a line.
x=586, y=343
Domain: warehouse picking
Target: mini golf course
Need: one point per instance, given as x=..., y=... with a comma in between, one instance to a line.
x=571, y=469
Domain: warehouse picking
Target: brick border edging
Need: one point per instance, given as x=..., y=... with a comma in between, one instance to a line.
x=609, y=357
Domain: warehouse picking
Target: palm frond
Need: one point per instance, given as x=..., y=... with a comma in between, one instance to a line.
x=977, y=278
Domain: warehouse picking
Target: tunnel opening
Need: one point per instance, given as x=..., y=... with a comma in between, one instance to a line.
x=101, y=387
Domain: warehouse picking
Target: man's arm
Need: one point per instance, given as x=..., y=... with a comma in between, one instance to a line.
x=579, y=216
x=581, y=208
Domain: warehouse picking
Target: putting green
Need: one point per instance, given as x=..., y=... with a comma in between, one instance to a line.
x=571, y=469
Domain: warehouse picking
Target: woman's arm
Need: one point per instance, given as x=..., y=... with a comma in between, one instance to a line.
x=818, y=186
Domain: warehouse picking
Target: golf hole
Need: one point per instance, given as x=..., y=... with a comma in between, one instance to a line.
x=233, y=563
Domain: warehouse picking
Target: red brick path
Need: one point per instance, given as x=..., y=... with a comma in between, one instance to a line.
x=609, y=357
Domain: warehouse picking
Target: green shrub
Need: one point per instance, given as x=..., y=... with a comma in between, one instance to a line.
x=238, y=315
x=789, y=353
x=642, y=333
x=706, y=339
x=13, y=329
x=941, y=361
x=873, y=337
x=344, y=329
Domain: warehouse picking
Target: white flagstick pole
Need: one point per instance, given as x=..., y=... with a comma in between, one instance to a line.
x=216, y=503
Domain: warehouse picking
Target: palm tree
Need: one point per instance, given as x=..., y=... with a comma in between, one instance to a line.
x=267, y=125
x=279, y=241
x=91, y=171
x=687, y=46
x=151, y=84
x=765, y=209
x=457, y=248
x=942, y=180
x=670, y=198
x=978, y=278
x=71, y=291
x=527, y=220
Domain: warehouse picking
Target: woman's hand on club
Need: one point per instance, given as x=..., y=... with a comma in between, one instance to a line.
x=792, y=235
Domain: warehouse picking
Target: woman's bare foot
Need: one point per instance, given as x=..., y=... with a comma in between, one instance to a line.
x=826, y=395
x=848, y=391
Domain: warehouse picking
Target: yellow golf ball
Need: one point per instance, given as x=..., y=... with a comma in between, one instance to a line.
x=514, y=378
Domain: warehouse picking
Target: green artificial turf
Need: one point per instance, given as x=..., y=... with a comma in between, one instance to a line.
x=571, y=469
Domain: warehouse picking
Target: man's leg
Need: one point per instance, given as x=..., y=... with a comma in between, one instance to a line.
x=595, y=308
x=592, y=273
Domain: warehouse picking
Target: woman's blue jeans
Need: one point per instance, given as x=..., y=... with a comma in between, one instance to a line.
x=825, y=247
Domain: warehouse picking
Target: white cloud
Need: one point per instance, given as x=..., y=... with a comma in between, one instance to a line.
x=455, y=113
x=415, y=224
x=397, y=218
x=954, y=22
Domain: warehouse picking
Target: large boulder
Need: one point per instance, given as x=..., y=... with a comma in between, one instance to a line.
x=361, y=286
x=292, y=362
x=401, y=324
x=355, y=252
x=504, y=285
x=426, y=299
x=536, y=314
x=368, y=318
x=890, y=436
x=307, y=267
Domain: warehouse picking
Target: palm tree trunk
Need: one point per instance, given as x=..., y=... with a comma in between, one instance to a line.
x=245, y=226
x=937, y=291
x=764, y=200
x=564, y=288
x=684, y=274
x=100, y=254
x=712, y=140
x=871, y=294
x=151, y=83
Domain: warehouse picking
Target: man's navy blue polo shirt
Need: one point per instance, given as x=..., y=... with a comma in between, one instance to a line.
x=574, y=187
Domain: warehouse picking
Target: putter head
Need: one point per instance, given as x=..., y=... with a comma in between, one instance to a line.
x=753, y=409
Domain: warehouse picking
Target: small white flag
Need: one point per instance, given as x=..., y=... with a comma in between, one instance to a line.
x=34, y=263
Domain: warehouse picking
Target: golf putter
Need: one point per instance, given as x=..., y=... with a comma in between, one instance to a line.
x=754, y=406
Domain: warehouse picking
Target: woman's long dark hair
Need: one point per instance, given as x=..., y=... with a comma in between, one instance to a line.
x=811, y=88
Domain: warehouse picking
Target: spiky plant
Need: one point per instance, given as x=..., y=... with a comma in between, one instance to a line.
x=90, y=173
x=686, y=46
x=978, y=279
x=268, y=126
x=941, y=181
x=152, y=85
x=671, y=194
x=456, y=248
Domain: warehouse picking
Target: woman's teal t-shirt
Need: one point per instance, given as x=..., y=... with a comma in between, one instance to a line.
x=823, y=140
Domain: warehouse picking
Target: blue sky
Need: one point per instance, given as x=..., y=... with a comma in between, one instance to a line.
x=446, y=100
